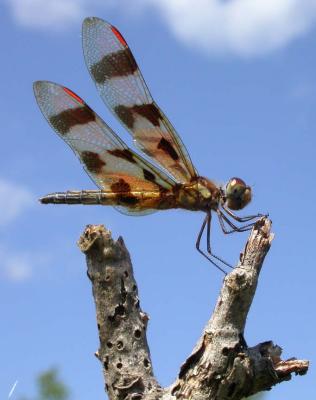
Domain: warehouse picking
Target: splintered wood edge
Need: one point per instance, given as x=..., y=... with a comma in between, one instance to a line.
x=93, y=233
x=98, y=238
x=287, y=367
x=259, y=241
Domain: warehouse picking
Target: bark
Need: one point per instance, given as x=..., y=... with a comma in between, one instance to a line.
x=221, y=366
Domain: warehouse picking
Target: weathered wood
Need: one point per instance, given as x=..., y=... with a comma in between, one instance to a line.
x=221, y=365
x=123, y=351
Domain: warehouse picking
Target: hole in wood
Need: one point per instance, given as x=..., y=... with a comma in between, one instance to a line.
x=119, y=345
x=225, y=351
x=120, y=310
x=231, y=389
x=137, y=333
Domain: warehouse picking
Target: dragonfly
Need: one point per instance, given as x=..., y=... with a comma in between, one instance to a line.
x=127, y=180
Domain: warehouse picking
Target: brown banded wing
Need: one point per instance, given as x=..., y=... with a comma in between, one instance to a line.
x=105, y=157
x=123, y=89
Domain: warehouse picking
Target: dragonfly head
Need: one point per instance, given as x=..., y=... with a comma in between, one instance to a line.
x=236, y=194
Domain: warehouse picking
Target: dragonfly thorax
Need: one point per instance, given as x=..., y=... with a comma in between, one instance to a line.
x=199, y=195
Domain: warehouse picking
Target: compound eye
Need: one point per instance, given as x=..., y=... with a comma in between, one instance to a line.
x=235, y=187
x=238, y=194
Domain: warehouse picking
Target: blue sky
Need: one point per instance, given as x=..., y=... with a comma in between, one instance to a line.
x=237, y=79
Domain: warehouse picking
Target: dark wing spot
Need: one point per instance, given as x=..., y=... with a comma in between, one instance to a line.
x=128, y=114
x=65, y=120
x=149, y=111
x=125, y=154
x=128, y=199
x=120, y=187
x=149, y=175
x=125, y=114
x=92, y=161
x=119, y=63
x=124, y=195
x=167, y=147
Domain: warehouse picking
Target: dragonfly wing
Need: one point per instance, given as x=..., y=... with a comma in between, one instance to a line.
x=134, y=212
x=123, y=89
x=106, y=158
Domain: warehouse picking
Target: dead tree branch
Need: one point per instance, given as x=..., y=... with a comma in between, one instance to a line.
x=221, y=365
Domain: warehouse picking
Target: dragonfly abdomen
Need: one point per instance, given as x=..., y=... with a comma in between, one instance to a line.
x=131, y=199
x=75, y=197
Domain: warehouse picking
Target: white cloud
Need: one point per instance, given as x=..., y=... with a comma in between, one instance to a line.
x=16, y=267
x=14, y=199
x=53, y=15
x=243, y=27
x=19, y=266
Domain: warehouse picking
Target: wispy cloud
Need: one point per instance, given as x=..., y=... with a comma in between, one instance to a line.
x=243, y=27
x=240, y=27
x=15, y=267
x=56, y=15
x=19, y=266
x=14, y=199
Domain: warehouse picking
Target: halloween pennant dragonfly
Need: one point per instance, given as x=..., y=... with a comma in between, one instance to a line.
x=126, y=180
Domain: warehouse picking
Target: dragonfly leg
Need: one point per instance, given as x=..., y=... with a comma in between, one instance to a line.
x=207, y=222
x=222, y=217
x=242, y=219
x=208, y=241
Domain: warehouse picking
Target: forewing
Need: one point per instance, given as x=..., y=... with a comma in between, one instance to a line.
x=123, y=89
x=105, y=157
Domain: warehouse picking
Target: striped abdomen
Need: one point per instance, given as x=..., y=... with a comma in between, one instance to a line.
x=132, y=200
